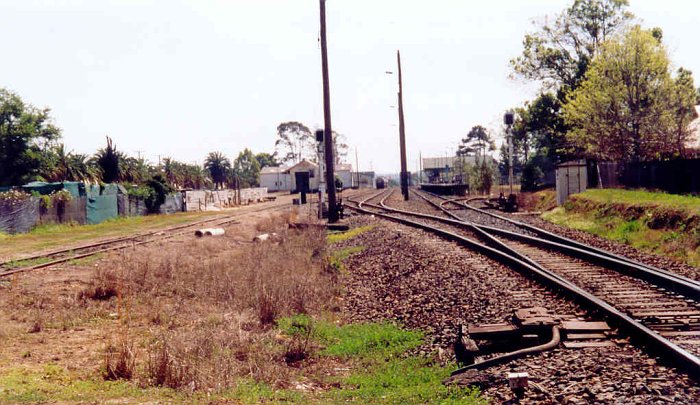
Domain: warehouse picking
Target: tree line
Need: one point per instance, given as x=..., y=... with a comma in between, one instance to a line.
x=608, y=92
x=31, y=150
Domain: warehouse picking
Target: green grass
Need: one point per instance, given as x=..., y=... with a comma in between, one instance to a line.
x=52, y=383
x=337, y=237
x=659, y=223
x=356, y=340
x=382, y=374
x=643, y=198
x=29, y=262
x=403, y=381
x=55, y=384
x=337, y=257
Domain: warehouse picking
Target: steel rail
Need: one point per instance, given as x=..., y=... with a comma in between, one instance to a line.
x=638, y=333
x=108, y=241
x=564, y=240
x=671, y=281
x=130, y=242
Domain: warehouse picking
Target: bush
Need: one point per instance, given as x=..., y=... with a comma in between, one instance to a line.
x=159, y=190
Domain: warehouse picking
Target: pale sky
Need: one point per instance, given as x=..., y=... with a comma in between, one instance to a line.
x=183, y=78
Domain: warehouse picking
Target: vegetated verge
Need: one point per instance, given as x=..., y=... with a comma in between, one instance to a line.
x=216, y=320
x=656, y=222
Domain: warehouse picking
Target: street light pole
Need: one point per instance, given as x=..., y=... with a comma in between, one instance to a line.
x=402, y=135
x=333, y=215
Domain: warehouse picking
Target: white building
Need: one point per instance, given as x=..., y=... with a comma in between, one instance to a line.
x=275, y=178
x=304, y=175
x=304, y=172
x=695, y=128
x=344, y=172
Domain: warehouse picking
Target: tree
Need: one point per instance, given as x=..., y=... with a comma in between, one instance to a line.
x=622, y=111
x=134, y=170
x=682, y=102
x=158, y=189
x=697, y=97
x=559, y=53
x=246, y=168
x=294, y=142
x=267, y=160
x=24, y=132
x=218, y=166
x=540, y=126
x=481, y=176
x=476, y=142
x=108, y=161
x=59, y=165
x=340, y=146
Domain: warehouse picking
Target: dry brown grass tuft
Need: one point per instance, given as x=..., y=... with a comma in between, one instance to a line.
x=209, y=305
x=212, y=355
x=120, y=359
x=105, y=285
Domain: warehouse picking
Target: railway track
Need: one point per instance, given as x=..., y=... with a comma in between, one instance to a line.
x=656, y=309
x=60, y=256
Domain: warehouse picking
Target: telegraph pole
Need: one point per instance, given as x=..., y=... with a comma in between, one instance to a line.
x=357, y=168
x=327, y=131
x=402, y=135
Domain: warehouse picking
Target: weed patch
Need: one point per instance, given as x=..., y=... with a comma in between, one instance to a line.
x=661, y=223
x=401, y=381
x=385, y=376
x=337, y=257
x=337, y=237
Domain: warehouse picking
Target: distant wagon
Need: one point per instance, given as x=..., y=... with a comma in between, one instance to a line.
x=381, y=182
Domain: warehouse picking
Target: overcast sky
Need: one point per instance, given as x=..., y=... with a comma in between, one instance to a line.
x=183, y=78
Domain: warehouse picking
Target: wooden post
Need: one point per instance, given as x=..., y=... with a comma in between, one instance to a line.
x=333, y=214
x=402, y=135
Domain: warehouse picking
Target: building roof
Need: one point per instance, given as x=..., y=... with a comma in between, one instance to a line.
x=432, y=163
x=274, y=170
x=343, y=167
x=303, y=163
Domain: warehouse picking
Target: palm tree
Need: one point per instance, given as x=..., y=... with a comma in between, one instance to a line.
x=81, y=169
x=68, y=166
x=107, y=160
x=134, y=170
x=218, y=166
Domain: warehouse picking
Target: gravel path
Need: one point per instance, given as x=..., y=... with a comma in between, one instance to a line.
x=422, y=281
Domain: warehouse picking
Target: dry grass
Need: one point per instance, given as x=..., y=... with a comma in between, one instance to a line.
x=206, y=307
x=120, y=359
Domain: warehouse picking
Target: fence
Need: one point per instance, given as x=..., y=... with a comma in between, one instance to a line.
x=681, y=176
x=72, y=211
x=212, y=200
x=95, y=204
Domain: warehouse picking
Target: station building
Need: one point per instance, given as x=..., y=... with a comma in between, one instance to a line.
x=446, y=169
x=304, y=174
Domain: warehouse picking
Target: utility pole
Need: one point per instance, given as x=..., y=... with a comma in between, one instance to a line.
x=402, y=135
x=420, y=167
x=328, y=132
x=357, y=167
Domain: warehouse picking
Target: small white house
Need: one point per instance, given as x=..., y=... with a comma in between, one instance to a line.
x=276, y=178
x=304, y=175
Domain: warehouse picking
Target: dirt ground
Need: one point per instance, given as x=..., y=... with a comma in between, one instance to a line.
x=43, y=318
